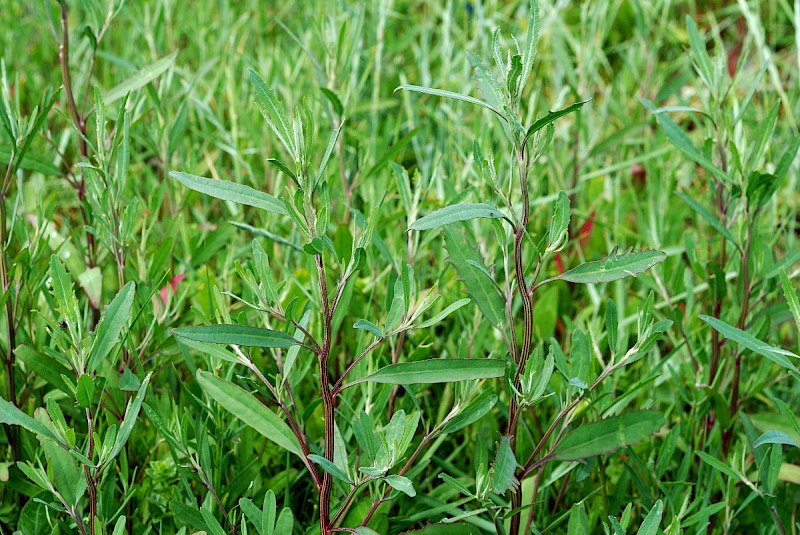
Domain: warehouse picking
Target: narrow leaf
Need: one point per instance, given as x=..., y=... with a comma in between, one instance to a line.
x=401, y=483
x=129, y=420
x=248, y=409
x=451, y=95
x=613, y=267
x=608, y=435
x=243, y=335
x=472, y=412
x=231, y=191
x=331, y=468
x=505, y=466
x=776, y=437
x=436, y=371
x=454, y=213
x=443, y=314
x=107, y=335
x=747, y=340
x=368, y=326
x=652, y=520
x=551, y=117
x=140, y=79
x=709, y=217
x=273, y=111
x=482, y=291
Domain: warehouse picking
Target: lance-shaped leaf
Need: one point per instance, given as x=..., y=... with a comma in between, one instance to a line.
x=243, y=335
x=454, y=213
x=116, y=316
x=248, y=409
x=472, y=412
x=709, y=217
x=451, y=95
x=401, y=483
x=747, y=340
x=681, y=141
x=613, y=267
x=10, y=414
x=608, y=435
x=479, y=287
x=776, y=437
x=652, y=520
x=273, y=111
x=435, y=371
x=551, y=117
x=65, y=297
x=129, y=420
x=230, y=191
x=140, y=79
x=331, y=468
x=505, y=466
x=558, y=227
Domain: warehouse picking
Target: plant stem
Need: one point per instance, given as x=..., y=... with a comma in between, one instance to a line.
x=91, y=481
x=328, y=400
x=741, y=324
x=80, y=123
x=528, y=320
x=12, y=432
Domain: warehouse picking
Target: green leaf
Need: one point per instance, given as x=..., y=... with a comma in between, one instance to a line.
x=472, y=412
x=65, y=297
x=709, y=217
x=479, y=287
x=747, y=340
x=718, y=465
x=551, y=117
x=333, y=99
x=454, y=213
x=248, y=409
x=436, y=371
x=558, y=227
x=214, y=528
x=129, y=420
x=243, y=335
x=608, y=435
x=10, y=414
x=451, y=95
x=776, y=437
x=285, y=522
x=613, y=267
x=368, y=326
x=682, y=142
x=443, y=314
x=29, y=163
x=701, y=59
x=331, y=468
x=230, y=191
x=505, y=466
x=652, y=520
x=269, y=513
x=273, y=111
x=140, y=79
x=84, y=393
x=107, y=334
x=401, y=483
x=792, y=299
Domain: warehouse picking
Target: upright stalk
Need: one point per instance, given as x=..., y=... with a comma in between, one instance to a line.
x=79, y=120
x=12, y=432
x=528, y=321
x=328, y=402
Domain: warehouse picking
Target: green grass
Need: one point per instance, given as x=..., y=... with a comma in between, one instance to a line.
x=609, y=293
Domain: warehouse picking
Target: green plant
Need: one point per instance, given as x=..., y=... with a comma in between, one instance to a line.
x=529, y=372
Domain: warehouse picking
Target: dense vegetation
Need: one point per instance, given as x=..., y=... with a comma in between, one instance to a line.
x=407, y=266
